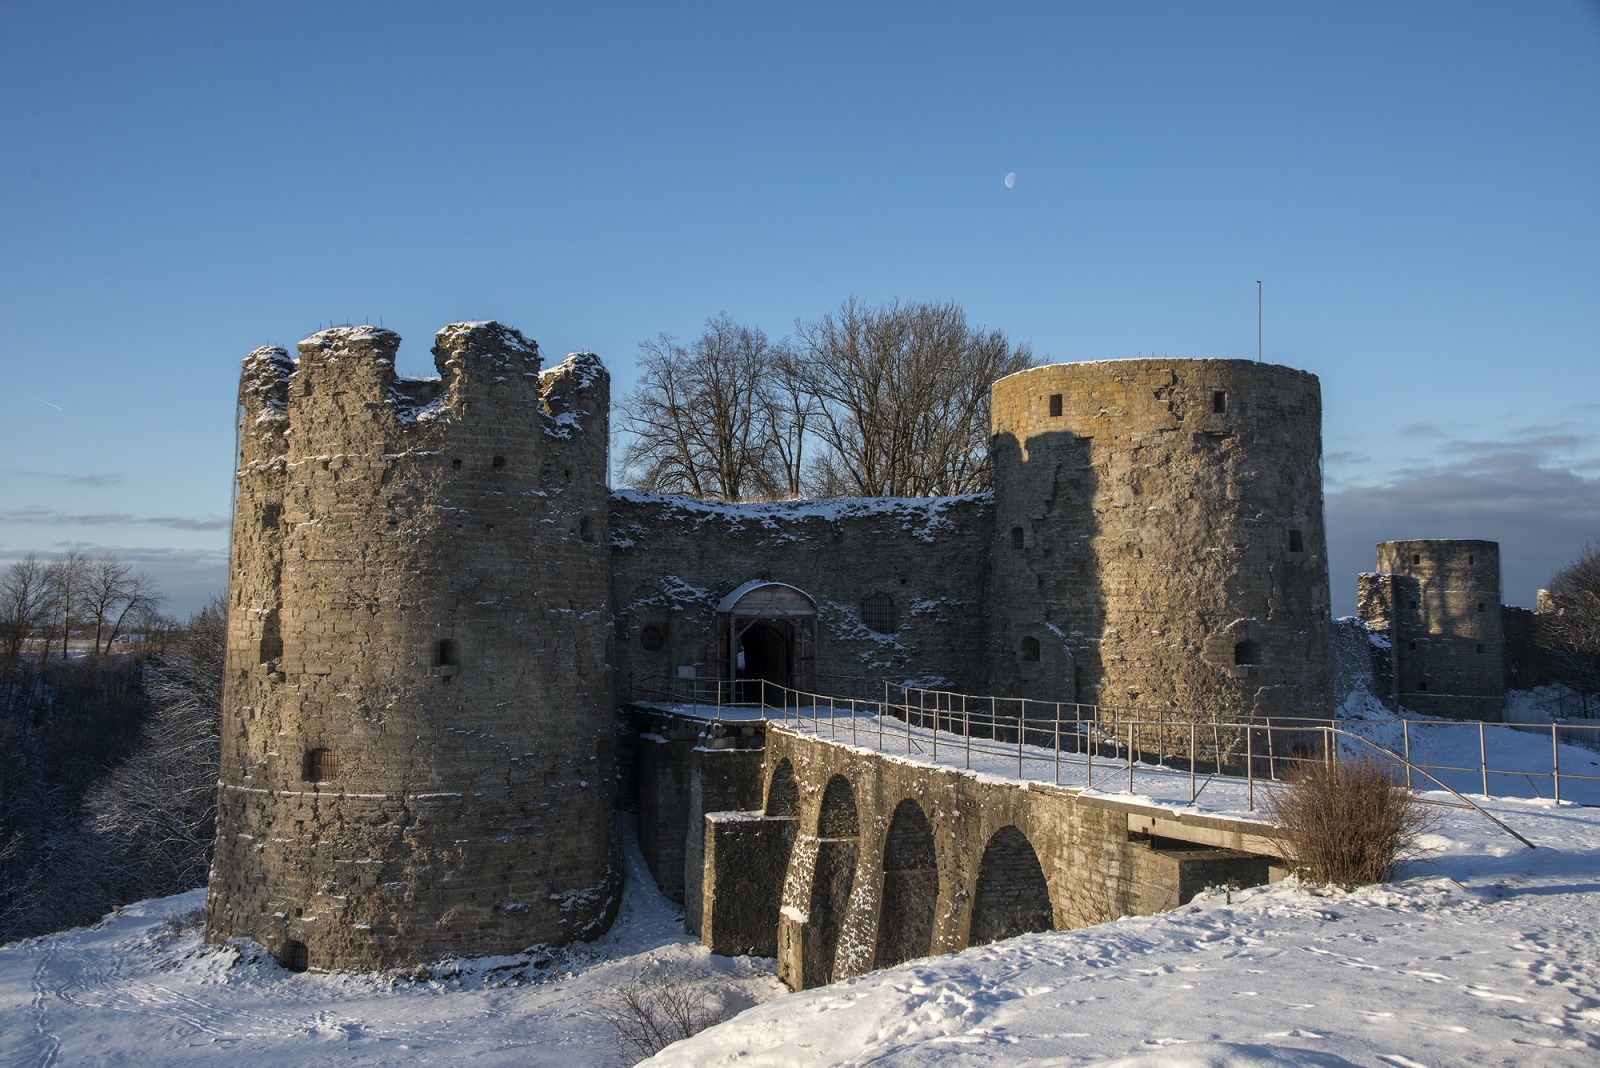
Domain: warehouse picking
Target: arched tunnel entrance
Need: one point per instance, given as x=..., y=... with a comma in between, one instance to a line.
x=766, y=633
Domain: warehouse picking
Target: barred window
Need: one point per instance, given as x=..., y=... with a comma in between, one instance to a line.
x=879, y=614
x=321, y=765
x=1030, y=650
x=1247, y=652
x=652, y=638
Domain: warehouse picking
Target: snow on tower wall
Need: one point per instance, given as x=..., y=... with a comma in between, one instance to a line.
x=418, y=700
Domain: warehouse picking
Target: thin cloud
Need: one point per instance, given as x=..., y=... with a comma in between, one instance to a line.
x=1421, y=430
x=99, y=481
x=48, y=517
x=1541, y=513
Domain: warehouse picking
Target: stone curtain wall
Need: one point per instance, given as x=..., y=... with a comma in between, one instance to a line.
x=1159, y=539
x=673, y=559
x=418, y=702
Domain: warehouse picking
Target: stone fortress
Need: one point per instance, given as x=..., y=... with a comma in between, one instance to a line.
x=436, y=607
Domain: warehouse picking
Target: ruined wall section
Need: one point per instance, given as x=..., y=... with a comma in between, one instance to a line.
x=674, y=558
x=1438, y=602
x=417, y=707
x=1162, y=521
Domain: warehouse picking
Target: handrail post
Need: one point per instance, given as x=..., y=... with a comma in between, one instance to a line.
x=1022, y=718
x=1483, y=759
x=1250, y=769
x=921, y=715
x=1058, y=743
x=966, y=723
x=1130, y=756
x=1555, y=762
x=1192, y=726
x=1405, y=741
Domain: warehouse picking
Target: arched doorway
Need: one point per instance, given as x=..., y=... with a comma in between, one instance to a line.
x=766, y=632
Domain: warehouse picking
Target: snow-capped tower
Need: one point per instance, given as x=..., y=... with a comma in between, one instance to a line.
x=416, y=754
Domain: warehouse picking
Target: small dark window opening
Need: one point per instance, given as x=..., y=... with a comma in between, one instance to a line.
x=1413, y=605
x=878, y=613
x=1481, y=608
x=1297, y=541
x=295, y=957
x=1247, y=652
x=455, y=465
x=1480, y=648
x=499, y=462
x=1469, y=558
x=1416, y=558
x=1422, y=684
x=1055, y=405
x=1016, y=537
x=1030, y=650
x=1219, y=401
x=447, y=660
x=1411, y=645
x=321, y=765
x=652, y=638
x=586, y=528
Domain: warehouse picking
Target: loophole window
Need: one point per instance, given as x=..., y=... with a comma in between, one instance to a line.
x=1016, y=537
x=652, y=638
x=1055, y=405
x=1219, y=401
x=1247, y=652
x=586, y=528
x=321, y=765
x=1030, y=650
x=879, y=614
x=447, y=659
x=1297, y=541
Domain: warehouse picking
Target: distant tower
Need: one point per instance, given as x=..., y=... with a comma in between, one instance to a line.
x=1159, y=538
x=417, y=707
x=1438, y=601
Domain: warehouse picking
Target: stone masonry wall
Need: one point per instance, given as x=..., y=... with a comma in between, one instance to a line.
x=1159, y=539
x=673, y=559
x=417, y=708
x=1438, y=601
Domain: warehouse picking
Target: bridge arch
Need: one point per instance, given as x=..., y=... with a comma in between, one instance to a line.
x=783, y=793
x=838, y=853
x=910, y=888
x=1012, y=896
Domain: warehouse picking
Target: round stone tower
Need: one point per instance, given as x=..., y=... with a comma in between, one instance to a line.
x=417, y=706
x=1159, y=538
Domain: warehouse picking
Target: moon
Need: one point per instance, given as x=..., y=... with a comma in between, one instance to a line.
x=1011, y=180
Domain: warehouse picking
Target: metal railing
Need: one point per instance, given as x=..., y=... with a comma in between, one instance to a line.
x=1087, y=746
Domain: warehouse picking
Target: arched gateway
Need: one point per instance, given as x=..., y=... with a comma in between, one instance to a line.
x=766, y=631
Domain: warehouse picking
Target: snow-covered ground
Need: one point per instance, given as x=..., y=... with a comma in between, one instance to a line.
x=1488, y=954
x=138, y=990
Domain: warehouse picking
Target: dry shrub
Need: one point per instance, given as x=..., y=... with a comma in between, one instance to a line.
x=655, y=1009
x=1348, y=823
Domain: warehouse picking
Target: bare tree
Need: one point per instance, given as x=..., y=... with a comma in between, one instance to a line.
x=902, y=398
x=701, y=417
x=113, y=594
x=158, y=808
x=22, y=605
x=64, y=580
x=1570, y=618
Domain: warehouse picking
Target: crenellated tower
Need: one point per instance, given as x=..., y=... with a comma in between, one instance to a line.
x=416, y=753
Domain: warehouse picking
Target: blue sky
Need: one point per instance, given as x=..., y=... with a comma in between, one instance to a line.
x=1414, y=183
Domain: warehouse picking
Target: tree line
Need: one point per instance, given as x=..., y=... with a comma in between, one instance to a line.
x=44, y=603
x=109, y=757
x=871, y=401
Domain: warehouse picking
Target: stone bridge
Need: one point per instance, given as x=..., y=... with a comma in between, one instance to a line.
x=838, y=860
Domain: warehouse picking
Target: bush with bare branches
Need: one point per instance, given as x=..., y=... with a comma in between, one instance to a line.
x=656, y=1008
x=1348, y=823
